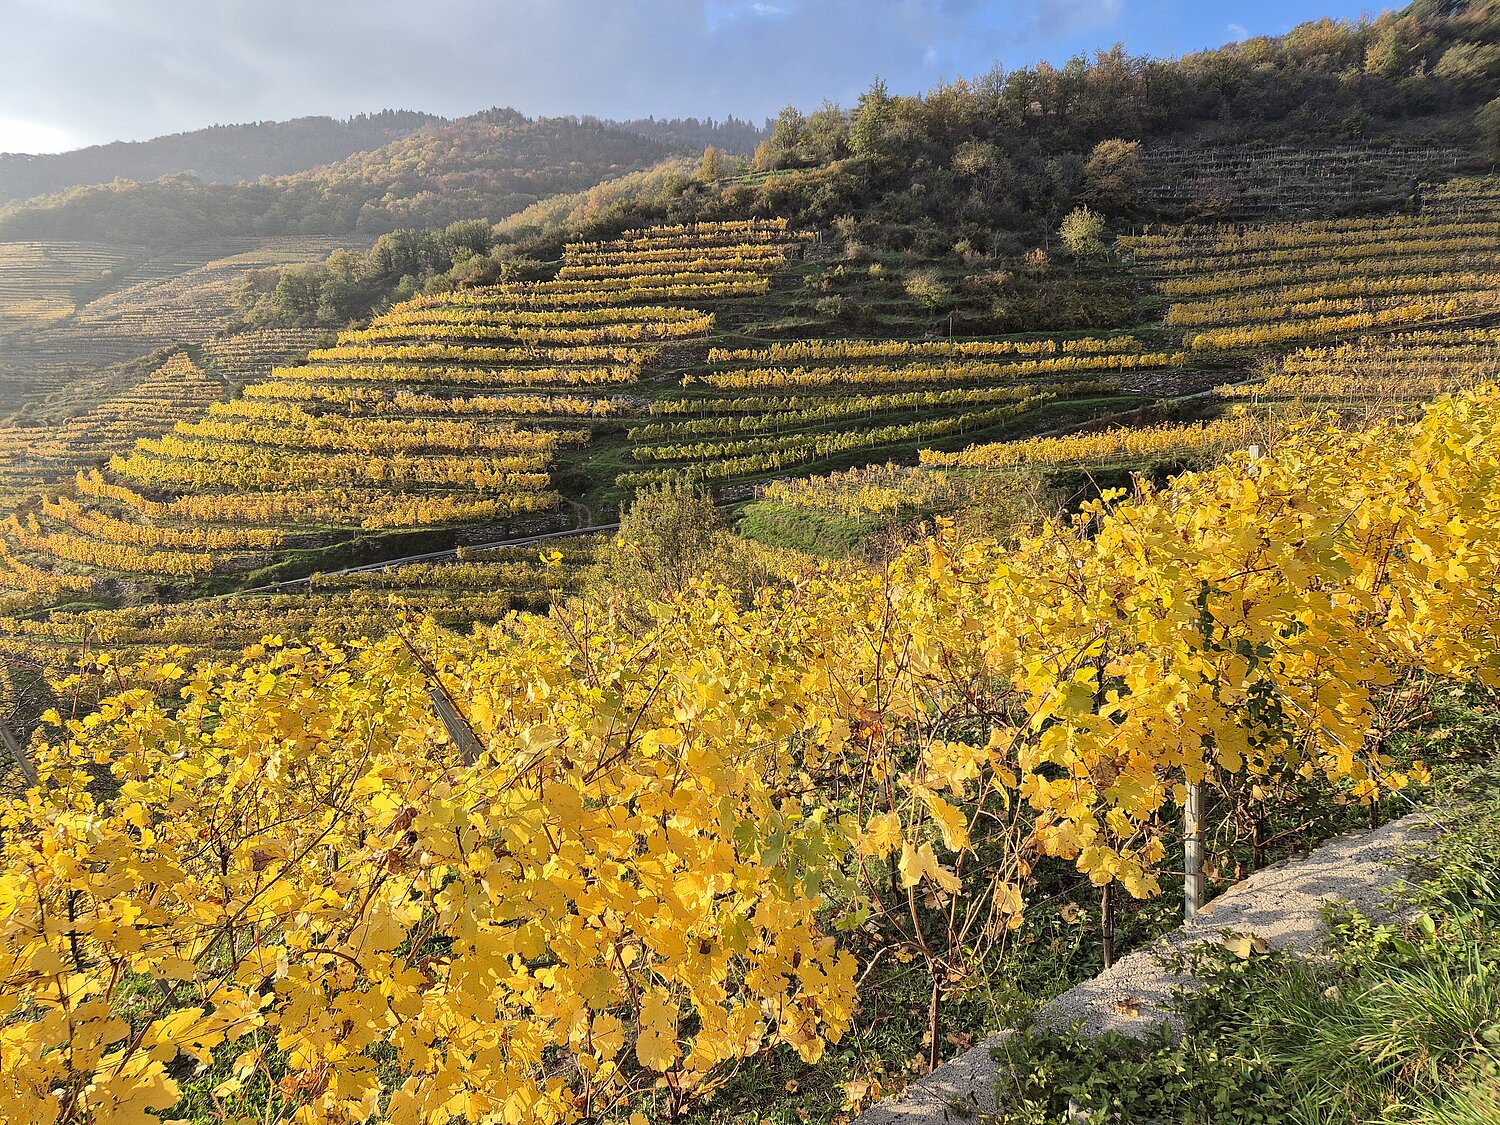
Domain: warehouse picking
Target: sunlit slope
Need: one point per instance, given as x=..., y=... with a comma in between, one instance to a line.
x=1364, y=316
x=489, y=165
x=785, y=407
x=111, y=306
x=223, y=153
x=39, y=280
x=449, y=410
x=1278, y=284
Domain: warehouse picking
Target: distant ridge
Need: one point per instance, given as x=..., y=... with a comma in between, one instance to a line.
x=219, y=154
x=485, y=166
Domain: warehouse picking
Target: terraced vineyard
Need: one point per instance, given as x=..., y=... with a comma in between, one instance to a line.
x=1280, y=284
x=247, y=357
x=479, y=589
x=185, y=297
x=462, y=410
x=34, y=455
x=1380, y=372
x=447, y=411
x=1386, y=312
x=39, y=281
x=1248, y=181
x=791, y=406
x=1114, y=445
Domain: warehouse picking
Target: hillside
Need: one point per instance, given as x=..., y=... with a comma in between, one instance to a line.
x=113, y=273
x=730, y=135
x=718, y=640
x=487, y=166
x=221, y=154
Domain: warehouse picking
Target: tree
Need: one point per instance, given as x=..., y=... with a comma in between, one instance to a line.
x=1469, y=63
x=926, y=287
x=872, y=121
x=975, y=159
x=787, y=137
x=711, y=167
x=666, y=540
x=827, y=134
x=1389, y=53
x=1113, y=175
x=1082, y=232
x=764, y=159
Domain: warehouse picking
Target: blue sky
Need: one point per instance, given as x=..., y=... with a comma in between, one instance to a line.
x=77, y=72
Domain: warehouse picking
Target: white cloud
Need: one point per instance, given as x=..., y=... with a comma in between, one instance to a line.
x=1237, y=31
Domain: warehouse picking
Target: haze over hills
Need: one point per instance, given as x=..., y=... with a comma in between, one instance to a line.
x=221, y=154
x=486, y=166
x=228, y=154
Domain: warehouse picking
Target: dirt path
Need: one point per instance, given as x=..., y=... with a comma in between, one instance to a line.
x=1282, y=904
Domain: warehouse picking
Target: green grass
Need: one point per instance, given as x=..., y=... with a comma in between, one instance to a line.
x=1395, y=1023
x=830, y=535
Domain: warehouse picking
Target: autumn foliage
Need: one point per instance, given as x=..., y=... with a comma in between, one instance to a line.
x=631, y=860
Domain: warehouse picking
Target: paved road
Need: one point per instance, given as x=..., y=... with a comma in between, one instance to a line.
x=430, y=556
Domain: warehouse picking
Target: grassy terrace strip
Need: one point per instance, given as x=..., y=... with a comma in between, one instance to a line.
x=871, y=490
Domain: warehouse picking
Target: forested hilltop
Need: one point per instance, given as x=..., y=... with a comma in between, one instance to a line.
x=996, y=162
x=487, y=166
x=730, y=134
x=221, y=154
